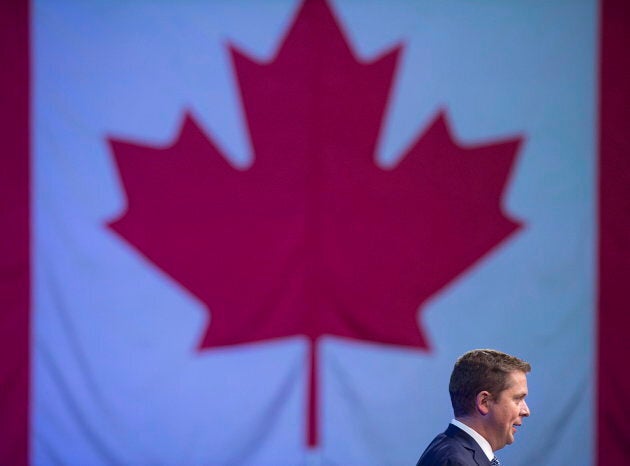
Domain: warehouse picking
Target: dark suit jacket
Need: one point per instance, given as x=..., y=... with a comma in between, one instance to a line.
x=454, y=447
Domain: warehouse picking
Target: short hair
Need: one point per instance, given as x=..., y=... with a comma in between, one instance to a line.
x=479, y=370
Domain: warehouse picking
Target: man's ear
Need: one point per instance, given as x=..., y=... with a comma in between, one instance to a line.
x=482, y=402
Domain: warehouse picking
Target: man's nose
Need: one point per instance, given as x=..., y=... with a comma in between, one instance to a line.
x=524, y=409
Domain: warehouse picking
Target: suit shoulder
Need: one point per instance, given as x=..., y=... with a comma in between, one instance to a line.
x=445, y=451
x=442, y=461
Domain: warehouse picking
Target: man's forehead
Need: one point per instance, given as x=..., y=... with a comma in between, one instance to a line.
x=517, y=380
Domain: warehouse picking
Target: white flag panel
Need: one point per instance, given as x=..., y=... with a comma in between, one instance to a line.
x=117, y=375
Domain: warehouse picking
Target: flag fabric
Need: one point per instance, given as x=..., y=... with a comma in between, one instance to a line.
x=261, y=233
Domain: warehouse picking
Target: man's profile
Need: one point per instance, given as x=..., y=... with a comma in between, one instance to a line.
x=488, y=390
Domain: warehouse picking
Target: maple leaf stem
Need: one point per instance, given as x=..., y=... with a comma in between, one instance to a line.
x=313, y=433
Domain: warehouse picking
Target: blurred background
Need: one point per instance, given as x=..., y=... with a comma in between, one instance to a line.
x=260, y=233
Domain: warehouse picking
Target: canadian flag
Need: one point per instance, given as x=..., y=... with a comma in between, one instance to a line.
x=260, y=233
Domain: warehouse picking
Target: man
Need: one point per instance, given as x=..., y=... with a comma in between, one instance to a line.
x=488, y=390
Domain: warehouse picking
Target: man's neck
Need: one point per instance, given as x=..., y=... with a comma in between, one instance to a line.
x=475, y=430
x=474, y=424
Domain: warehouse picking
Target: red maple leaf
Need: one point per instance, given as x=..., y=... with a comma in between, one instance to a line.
x=315, y=237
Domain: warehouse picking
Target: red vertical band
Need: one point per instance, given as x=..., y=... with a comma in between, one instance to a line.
x=14, y=222
x=614, y=235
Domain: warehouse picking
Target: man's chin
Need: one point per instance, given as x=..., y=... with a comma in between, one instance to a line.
x=509, y=440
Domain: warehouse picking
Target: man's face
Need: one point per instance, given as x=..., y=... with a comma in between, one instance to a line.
x=506, y=412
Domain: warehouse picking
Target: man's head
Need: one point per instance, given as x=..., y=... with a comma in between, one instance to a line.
x=488, y=389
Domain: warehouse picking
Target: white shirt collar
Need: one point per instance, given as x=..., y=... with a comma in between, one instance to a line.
x=483, y=443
